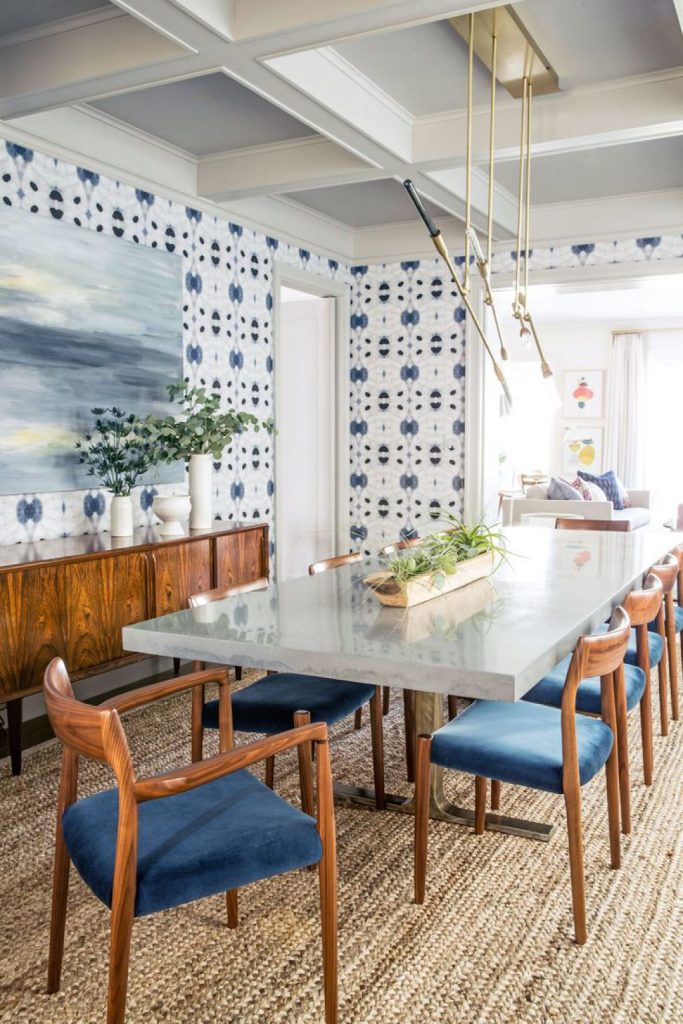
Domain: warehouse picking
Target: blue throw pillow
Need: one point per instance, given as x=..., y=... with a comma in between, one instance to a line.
x=609, y=484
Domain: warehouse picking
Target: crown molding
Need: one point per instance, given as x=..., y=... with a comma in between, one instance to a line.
x=130, y=129
x=365, y=83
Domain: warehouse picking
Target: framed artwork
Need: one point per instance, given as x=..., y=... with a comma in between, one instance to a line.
x=582, y=449
x=582, y=396
x=86, y=320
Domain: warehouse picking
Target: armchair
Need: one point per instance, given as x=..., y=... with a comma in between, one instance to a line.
x=154, y=843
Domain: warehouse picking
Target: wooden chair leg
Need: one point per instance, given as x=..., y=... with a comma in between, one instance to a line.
x=646, y=729
x=495, y=795
x=119, y=955
x=305, y=766
x=422, y=770
x=662, y=674
x=60, y=889
x=197, y=726
x=612, y=769
x=358, y=719
x=231, y=903
x=377, y=730
x=176, y=666
x=386, y=697
x=622, y=737
x=575, y=833
x=480, y=791
x=409, y=725
x=327, y=873
x=452, y=707
x=270, y=772
x=238, y=673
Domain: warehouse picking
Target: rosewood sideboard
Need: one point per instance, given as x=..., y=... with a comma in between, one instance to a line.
x=71, y=597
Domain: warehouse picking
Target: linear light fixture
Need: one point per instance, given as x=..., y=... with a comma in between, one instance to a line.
x=442, y=249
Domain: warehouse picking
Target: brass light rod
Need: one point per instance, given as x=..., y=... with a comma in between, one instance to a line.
x=442, y=249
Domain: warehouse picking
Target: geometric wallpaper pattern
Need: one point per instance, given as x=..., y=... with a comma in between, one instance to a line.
x=406, y=356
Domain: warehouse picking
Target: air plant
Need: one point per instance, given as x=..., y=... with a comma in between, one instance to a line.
x=439, y=553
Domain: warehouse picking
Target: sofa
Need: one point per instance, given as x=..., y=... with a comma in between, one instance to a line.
x=536, y=502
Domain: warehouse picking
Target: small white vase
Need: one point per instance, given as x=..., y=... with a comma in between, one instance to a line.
x=121, y=513
x=172, y=510
x=201, y=469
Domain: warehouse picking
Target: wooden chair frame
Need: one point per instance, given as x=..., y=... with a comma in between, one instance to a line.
x=668, y=571
x=607, y=525
x=601, y=655
x=97, y=732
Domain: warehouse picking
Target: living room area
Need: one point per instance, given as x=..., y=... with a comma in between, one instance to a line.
x=596, y=432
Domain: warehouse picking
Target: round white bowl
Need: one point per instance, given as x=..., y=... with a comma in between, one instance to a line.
x=173, y=510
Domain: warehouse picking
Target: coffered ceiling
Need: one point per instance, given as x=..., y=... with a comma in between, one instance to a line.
x=303, y=118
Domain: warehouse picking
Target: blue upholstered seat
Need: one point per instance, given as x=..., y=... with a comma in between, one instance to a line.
x=656, y=645
x=268, y=705
x=519, y=743
x=678, y=624
x=221, y=835
x=549, y=689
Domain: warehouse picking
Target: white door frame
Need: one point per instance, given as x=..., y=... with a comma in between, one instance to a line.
x=475, y=360
x=316, y=284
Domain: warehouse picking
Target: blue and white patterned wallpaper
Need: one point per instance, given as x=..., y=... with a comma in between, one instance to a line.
x=407, y=352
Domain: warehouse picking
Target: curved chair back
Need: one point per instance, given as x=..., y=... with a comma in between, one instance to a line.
x=400, y=545
x=91, y=731
x=667, y=572
x=334, y=563
x=608, y=525
x=643, y=605
x=678, y=555
x=602, y=654
x=230, y=590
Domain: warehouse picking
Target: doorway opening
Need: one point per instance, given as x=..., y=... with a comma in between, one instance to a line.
x=311, y=410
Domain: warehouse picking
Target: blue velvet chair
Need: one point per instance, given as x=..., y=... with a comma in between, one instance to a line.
x=269, y=705
x=159, y=842
x=669, y=623
x=539, y=747
x=647, y=649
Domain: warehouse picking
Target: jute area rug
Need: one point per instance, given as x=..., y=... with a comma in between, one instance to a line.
x=492, y=944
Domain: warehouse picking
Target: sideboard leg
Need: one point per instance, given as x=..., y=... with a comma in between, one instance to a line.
x=176, y=666
x=14, y=733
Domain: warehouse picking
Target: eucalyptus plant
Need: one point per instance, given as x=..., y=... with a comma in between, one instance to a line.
x=115, y=450
x=439, y=553
x=200, y=429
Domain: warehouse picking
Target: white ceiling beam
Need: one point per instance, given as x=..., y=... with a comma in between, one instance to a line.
x=55, y=69
x=630, y=110
x=504, y=204
x=311, y=162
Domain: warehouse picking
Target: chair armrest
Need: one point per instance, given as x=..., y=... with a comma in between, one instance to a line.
x=639, y=499
x=183, y=779
x=165, y=688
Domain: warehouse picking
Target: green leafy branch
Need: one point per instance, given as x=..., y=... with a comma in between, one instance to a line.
x=115, y=450
x=201, y=429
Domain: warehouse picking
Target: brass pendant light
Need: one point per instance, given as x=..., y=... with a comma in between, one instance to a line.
x=482, y=261
x=520, y=304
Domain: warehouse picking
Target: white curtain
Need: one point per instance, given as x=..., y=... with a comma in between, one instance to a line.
x=626, y=396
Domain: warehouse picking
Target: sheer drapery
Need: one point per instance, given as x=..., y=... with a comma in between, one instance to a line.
x=625, y=436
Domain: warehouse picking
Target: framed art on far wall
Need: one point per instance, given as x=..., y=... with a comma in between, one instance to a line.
x=582, y=449
x=582, y=394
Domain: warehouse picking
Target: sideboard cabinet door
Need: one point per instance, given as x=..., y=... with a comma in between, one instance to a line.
x=31, y=626
x=241, y=557
x=180, y=570
x=101, y=596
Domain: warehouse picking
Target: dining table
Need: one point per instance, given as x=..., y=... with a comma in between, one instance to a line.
x=492, y=639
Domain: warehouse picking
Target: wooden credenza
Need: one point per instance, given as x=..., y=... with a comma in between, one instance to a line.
x=71, y=598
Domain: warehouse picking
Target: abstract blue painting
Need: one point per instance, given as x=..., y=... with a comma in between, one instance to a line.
x=85, y=320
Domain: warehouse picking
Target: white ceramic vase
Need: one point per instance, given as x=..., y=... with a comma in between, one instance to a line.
x=173, y=510
x=121, y=513
x=201, y=469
